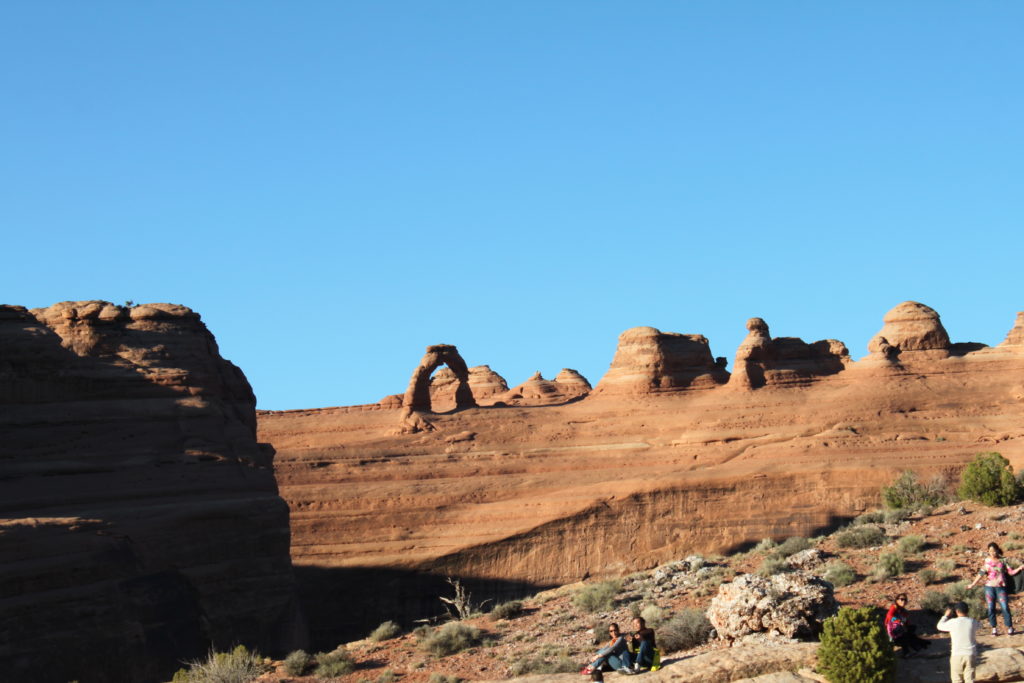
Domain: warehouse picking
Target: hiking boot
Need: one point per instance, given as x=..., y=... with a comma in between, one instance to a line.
x=995, y=632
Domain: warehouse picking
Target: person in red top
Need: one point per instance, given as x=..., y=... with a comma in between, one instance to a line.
x=994, y=571
x=902, y=633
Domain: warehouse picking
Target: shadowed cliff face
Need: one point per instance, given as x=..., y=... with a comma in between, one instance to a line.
x=652, y=471
x=139, y=518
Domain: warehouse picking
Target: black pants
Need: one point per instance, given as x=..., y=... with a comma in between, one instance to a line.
x=910, y=640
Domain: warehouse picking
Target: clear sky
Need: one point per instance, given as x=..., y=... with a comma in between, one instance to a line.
x=336, y=185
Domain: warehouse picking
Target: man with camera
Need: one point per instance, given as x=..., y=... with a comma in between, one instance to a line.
x=964, y=647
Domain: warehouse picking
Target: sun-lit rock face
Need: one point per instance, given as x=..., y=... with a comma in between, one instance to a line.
x=649, y=361
x=139, y=518
x=762, y=360
x=911, y=326
x=642, y=471
x=1015, y=337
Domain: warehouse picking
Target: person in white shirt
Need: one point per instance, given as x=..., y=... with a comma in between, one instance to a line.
x=964, y=648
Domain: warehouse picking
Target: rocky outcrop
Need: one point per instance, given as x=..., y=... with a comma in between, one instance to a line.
x=914, y=331
x=1015, y=337
x=485, y=385
x=508, y=496
x=648, y=361
x=418, y=395
x=791, y=605
x=139, y=517
x=762, y=360
x=537, y=391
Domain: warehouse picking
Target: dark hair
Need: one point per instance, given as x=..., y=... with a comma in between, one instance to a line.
x=900, y=596
x=960, y=607
x=643, y=622
x=596, y=675
x=613, y=625
x=999, y=551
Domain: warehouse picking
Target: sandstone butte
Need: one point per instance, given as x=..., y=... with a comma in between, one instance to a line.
x=518, y=489
x=140, y=522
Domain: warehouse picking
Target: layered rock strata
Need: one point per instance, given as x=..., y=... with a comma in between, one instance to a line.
x=649, y=470
x=762, y=360
x=537, y=391
x=140, y=522
x=649, y=361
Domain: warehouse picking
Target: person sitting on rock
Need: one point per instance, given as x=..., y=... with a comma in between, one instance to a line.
x=902, y=633
x=641, y=644
x=994, y=571
x=614, y=655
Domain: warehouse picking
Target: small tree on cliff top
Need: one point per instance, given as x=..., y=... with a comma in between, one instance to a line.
x=855, y=649
x=989, y=480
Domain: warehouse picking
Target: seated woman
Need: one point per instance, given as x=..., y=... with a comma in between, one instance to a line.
x=902, y=633
x=641, y=644
x=614, y=655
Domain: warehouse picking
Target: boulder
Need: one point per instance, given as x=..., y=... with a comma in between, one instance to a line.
x=649, y=361
x=914, y=327
x=791, y=605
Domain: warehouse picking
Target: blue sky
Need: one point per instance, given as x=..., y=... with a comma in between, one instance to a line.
x=336, y=185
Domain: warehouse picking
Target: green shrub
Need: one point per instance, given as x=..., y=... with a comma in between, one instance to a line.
x=297, y=663
x=653, y=615
x=989, y=480
x=507, y=610
x=974, y=597
x=793, y=544
x=336, y=663
x=596, y=596
x=441, y=678
x=911, y=545
x=906, y=492
x=945, y=568
x=385, y=631
x=927, y=576
x=451, y=638
x=873, y=517
x=238, y=666
x=686, y=629
x=840, y=574
x=889, y=565
x=896, y=515
x=855, y=649
x=864, y=536
x=764, y=546
x=387, y=676
x=934, y=601
x=773, y=564
x=548, y=661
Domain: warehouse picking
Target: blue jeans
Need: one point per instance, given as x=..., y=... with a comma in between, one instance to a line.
x=644, y=655
x=992, y=594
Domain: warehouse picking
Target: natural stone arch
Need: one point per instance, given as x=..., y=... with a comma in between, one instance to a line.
x=417, y=396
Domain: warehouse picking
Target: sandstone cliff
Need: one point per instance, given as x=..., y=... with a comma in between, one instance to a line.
x=139, y=518
x=661, y=460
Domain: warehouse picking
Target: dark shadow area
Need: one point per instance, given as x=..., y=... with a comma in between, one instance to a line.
x=964, y=348
x=347, y=603
x=128, y=509
x=835, y=522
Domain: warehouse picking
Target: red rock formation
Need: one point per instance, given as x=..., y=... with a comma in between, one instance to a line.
x=761, y=360
x=139, y=518
x=537, y=391
x=639, y=473
x=913, y=327
x=1015, y=337
x=649, y=361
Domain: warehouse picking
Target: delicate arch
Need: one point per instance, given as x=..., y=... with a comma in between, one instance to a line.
x=417, y=396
